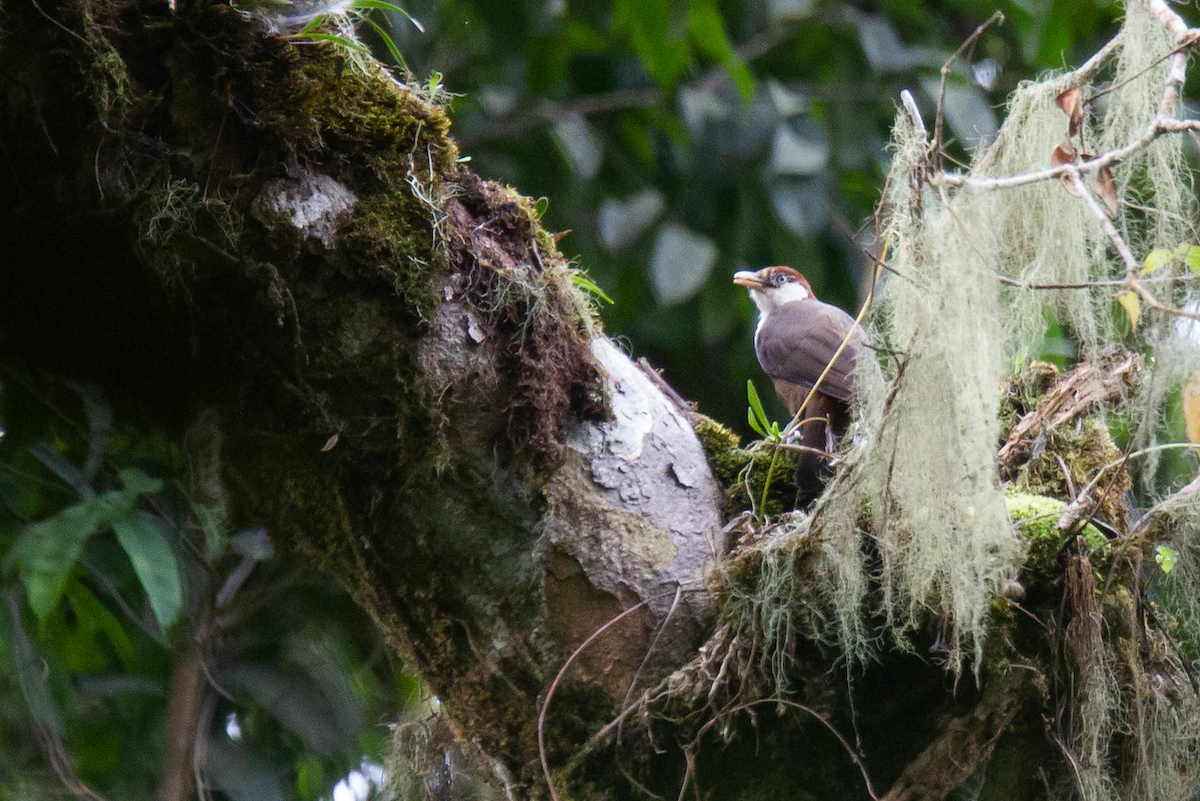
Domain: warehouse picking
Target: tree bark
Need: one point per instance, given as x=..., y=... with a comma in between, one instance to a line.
x=413, y=392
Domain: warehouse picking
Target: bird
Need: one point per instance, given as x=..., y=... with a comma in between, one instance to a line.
x=795, y=340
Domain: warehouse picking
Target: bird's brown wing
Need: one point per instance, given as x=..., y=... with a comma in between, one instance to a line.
x=798, y=339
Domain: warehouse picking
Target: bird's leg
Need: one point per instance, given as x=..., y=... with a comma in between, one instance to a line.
x=828, y=434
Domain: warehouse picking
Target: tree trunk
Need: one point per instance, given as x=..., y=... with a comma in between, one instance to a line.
x=413, y=392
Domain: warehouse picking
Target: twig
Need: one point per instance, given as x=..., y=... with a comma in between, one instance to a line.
x=541, y=719
x=1122, y=247
x=936, y=144
x=801, y=707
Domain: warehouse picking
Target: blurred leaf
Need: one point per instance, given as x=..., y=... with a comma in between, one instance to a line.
x=793, y=154
x=707, y=29
x=801, y=204
x=137, y=483
x=30, y=670
x=1132, y=305
x=253, y=543
x=966, y=110
x=680, y=263
x=1191, y=408
x=1166, y=558
x=154, y=562
x=619, y=223
x=1193, y=258
x=92, y=618
x=216, y=540
x=241, y=774
x=310, y=778
x=581, y=145
x=47, y=553
x=62, y=467
x=1155, y=259
x=656, y=35
x=324, y=719
x=886, y=53
x=789, y=9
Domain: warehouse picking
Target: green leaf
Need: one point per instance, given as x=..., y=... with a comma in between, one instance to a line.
x=1193, y=258
x=47, y=553
x=154, y=562
x=383, y=5
x=656, y=30
x=707, y=30
x=93, y=618
x=1166, y=558
x=387, y=41
x=754, y=423
x=341, y=41
x=31, y=673
x=583, y=282
x=312, y=25
x=138, y=483
x=755, y=403
x=540, y=206
x=1156, y=259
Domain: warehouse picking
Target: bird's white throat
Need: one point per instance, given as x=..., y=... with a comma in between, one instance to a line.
x=771, y=299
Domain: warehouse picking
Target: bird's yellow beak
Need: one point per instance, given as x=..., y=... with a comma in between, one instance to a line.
x=747, y=279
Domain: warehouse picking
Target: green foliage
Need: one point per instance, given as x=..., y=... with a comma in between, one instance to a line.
x=47, y=553
x=1165, y=558
x=757, y=418
x=354, y=14
x=118, y=561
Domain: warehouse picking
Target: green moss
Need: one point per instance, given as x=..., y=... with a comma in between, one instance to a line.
x=1085, y=449
x=1036, y=516
x=391, y=226
x=743, y=472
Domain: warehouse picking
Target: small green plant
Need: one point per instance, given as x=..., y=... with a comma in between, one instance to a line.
x=358, y=11
x=582, y=281
x=767, y=429
x=1166, y=558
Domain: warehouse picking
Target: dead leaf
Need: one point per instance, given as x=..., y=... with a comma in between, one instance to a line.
x=1191, y=408
x=1106, y=187
x=1132, y=305
x=330, y=444
x=1064, y=154
x=1071, y=103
